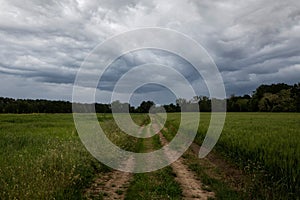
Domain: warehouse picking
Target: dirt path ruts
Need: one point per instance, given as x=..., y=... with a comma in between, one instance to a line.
x=111, y=185
x=191, y=187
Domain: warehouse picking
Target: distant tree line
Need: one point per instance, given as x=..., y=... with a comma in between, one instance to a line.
x=10, y=105
x=266, y=98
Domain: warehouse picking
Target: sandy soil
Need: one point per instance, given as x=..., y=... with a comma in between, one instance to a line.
x=191, y=187
x=112, y=185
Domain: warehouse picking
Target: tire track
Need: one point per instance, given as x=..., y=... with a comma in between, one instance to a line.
x=191, y=187
x=111, y=185
x=114, y=184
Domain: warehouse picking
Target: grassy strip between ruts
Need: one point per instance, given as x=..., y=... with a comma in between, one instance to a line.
x=159, y=184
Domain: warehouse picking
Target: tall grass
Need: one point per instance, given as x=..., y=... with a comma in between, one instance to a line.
x=264, y=144
x=42, y=157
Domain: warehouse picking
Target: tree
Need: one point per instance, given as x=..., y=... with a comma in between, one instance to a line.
x=285, y=102
x=181, y=102
x=171, y=108
x=268, y=101
x=204, y=104
x=295, y=94
x=145, y=106
x=279, y=102
x=256, y=102
x=119, y=107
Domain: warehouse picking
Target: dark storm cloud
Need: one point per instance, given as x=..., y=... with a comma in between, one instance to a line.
x=252, y=42
x=141, y=57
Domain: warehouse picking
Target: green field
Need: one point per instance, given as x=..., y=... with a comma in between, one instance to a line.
x=266, y=145
x=42, y=157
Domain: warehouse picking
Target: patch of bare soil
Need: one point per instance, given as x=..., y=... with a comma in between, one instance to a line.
x=191, y=187
x=112, y=185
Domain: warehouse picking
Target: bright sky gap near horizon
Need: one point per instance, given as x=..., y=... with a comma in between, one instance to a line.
x=43, y=43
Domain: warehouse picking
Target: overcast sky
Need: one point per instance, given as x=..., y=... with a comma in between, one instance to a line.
x=44, y=42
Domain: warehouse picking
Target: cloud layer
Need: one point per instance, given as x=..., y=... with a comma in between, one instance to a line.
x=43, y=43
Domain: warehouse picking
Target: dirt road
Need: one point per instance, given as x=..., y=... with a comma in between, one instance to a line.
x=113, y=185
x=191, y=187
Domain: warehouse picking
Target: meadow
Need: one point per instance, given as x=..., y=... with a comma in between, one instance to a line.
x=42, y=157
